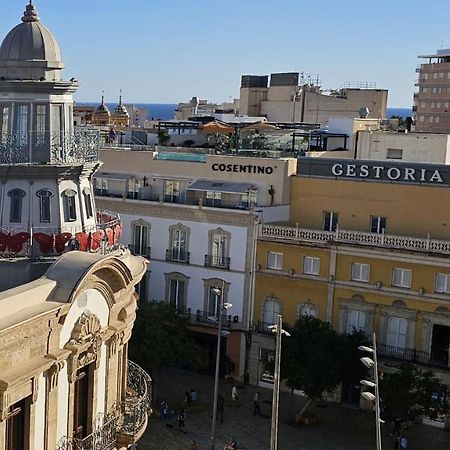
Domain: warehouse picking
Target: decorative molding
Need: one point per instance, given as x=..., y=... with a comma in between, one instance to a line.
x=53, y=374
x=34, y=389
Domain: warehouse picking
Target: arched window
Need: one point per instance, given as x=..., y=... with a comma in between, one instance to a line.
x=70, y=209
x=88, y=203
x=397, y=332
x=15, y=209
x=45, y=204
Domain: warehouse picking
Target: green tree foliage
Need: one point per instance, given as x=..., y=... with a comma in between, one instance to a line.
x=412, y=392
x=163, y=137
x=161, y=339
x=353, y=371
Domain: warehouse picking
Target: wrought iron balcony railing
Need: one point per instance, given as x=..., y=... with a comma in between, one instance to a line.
x=218, y=261
x=140, y=250
x=23, y=147
x=127, y=418
x=176, y=255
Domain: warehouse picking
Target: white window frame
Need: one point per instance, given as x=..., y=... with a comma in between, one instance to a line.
x=360, y=272
x=311, y=265
x=271, y=317
x=405, y=277
x=278, y=260
x=361, y=316
x=334, y=217
x=379, y=227
x=393, y=339
x=443, y=280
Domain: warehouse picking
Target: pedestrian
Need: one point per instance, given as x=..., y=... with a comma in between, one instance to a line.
x=220, y=407
x=187, y=398
x=193, y=395
x=163, y=410
x=182, y=420
x=403, y=442
x=256, y=407
x=193, y=446
x=397, y=427
x=234, y=394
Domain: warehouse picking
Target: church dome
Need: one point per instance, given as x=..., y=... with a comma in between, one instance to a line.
x=120, y=115
x=102, y=114
x=30, y=51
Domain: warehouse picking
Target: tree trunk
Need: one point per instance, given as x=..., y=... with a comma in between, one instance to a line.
x=305, y=406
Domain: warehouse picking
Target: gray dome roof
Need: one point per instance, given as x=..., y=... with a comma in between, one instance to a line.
x=30, y=50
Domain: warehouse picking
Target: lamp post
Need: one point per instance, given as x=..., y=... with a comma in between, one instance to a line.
x=222, y=308
x=373, y=363
x=278, y=329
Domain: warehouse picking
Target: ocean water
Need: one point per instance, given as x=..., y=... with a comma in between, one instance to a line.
x=166, y=111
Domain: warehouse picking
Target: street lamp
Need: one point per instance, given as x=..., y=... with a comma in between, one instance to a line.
x=373, y=364
x=222, y=308
x=278, y=329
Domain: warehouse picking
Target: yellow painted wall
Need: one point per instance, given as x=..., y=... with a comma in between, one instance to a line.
x=410, y=209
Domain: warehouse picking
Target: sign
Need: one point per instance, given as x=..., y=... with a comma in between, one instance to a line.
x=242, y=168
x=381, y=171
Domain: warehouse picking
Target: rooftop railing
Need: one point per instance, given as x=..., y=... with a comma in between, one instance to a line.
x=400, y=242
x=52, y=147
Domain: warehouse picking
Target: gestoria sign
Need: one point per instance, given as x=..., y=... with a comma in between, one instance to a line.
x=380, y=171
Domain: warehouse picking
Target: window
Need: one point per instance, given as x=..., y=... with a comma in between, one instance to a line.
x=17, y=419
x=250, y=198
x=141, y=232
x=272, y=309
x=171, y=191
x=377, y=224
x=219, y=249
x=215, y=294
x=44, y=204
x=442, y=283
x=431, y=119
x=308, y=310
x=4, y=121
x=15, y=209
x=70, y=209
x=41, y=124
x=88, y=203
x=425, y=90
x=360, y=272
x=214, y=301
x=401, y=278
x=275, y=260
x=438, y=105
x=421, y=118
x=311, y=265
x=330, y=221
x=433, y=104
x=356, y=321
x=179, y=243
x=394, y=153
x=176, y=290
x=435, y=75
x=397, y=332
x=441, y=74
x=213, y=198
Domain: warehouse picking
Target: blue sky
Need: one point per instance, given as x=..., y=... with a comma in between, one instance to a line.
x=168, y=51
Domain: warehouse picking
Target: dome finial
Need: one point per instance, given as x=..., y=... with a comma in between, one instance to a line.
x=30, y=14
x=103, y=98
x=120, y=98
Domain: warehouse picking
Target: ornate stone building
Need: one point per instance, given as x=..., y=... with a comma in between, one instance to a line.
x=67, y=289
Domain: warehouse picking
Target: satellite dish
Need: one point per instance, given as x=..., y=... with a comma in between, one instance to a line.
x=363, y=112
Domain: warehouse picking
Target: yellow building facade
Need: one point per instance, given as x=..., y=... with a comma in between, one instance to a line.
x=364, y=253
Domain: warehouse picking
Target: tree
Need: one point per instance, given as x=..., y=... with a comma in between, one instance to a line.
x=401, y=121
x=161, y=339
x=163, y=137
x=412, y=392
x=311, y=358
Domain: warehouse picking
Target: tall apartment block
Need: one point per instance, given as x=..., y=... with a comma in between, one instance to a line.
x=431, y=102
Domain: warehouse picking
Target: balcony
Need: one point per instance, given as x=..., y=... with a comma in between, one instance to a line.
x=206, y=318
x=76, y=147
x=262, y=327
x=413, y=356
x=176, y=255
x=217, y=261
x=295, y=234
x=140, y=250
x=125, y=423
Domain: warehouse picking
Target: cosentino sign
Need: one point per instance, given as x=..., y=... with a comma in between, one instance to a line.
x=375, y=171
x=242, y=168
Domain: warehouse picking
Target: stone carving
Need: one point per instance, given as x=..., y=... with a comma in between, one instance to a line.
x=34, y=389
x=53, y=374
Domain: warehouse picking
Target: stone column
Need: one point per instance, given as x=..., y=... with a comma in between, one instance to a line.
x=52, y=404
x=112, y=372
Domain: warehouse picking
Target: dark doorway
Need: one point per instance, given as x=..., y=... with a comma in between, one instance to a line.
x=81, y=403
x=440, y=345
x=15, y=426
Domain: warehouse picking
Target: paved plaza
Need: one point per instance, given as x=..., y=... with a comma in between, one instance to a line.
x=339, y=429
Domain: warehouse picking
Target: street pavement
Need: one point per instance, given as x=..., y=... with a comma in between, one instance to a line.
x=340, y=428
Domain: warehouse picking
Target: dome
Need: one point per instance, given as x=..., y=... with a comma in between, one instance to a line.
x=30, y=51
x=120, y=114
x=101, y=115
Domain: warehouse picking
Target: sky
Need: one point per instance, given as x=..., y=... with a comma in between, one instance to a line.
x=169, y=51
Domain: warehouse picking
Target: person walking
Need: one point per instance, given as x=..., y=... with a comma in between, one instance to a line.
x=403, y=442
x=256, y=406
x=193, y=446
x=234, y=394
x=220, y=407
x=182, y=420
x=194, y=395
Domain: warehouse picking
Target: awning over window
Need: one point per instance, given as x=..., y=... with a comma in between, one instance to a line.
x=114, y=176
x=221, y=186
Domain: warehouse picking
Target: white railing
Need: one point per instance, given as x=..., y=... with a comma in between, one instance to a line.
x=298, y=234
